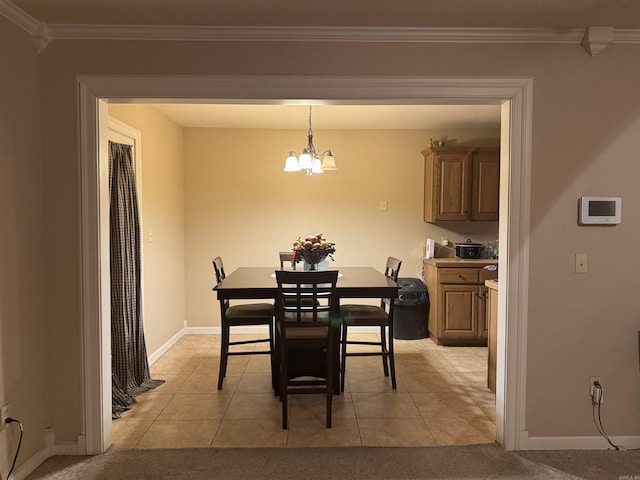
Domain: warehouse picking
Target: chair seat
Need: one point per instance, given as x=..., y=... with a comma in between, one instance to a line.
x=363, y=314
x=253, y=310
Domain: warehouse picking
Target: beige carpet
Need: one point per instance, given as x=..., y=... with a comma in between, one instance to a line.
x=476, y=462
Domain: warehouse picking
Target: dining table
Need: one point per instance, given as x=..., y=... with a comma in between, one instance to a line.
x=249, y=283
x=260, y=283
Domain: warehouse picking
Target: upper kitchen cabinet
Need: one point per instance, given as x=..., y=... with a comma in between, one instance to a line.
x=461, y=184
x=485, y=184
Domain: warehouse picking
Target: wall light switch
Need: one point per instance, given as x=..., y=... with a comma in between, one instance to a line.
x=384, y=206
x=581, y=263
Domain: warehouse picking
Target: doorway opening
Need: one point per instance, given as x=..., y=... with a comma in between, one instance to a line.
x=513, y=94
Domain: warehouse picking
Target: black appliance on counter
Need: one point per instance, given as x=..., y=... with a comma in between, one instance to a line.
x=469, y=249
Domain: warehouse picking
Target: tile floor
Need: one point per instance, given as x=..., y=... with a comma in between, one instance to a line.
x=441, y=399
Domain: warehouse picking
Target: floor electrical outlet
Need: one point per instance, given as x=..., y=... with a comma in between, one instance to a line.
x=4, y=414
x=595, y=390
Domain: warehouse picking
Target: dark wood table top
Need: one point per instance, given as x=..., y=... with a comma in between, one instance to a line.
x=260, y=282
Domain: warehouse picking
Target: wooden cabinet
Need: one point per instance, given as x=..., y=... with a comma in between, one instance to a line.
x=485, y=184
x=461, y=183
x=457, y=294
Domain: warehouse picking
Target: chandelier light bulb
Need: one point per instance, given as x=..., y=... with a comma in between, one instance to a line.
x=291, y=165
x=304, y=161
x=316, y=166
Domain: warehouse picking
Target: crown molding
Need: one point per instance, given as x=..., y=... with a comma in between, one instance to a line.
x=596, y=39
x=504, y=35
x=36, y=29
x=18, y=16
x=316, y=34
x=42, y=33
x=626, y=35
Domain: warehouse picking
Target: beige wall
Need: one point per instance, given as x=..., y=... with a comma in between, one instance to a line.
x=585, y=121
x=24, y=375
x=267, y=209
x=162, y=206
x=240, y=204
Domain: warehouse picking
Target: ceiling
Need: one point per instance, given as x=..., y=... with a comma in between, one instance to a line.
x=341, y=117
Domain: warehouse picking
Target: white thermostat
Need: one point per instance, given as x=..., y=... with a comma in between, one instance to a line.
x=600, y=210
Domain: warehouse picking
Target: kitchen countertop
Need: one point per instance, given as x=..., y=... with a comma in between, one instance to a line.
x=492, y=284
x=459, y=262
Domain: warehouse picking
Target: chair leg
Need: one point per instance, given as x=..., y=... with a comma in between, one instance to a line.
x=343, y=359
x=272, y=346
x=224, y=354
x=330, y=360
x=284, y=411
x=383, y=346
x=392, y=360
x=283, y=373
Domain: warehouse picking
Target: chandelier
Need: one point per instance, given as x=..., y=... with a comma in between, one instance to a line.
x=310, y=160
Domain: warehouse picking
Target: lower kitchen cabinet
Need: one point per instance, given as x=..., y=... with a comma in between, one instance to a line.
x=458, y=296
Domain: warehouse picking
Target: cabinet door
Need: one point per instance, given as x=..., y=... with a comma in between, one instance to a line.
x=452, y=178
x=483, y=320
x=460, y=311
x=485, y=193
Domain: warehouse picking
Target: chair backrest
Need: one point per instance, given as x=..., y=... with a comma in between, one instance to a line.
x=393, y=268
x=286, y=257
x=306, y=298
x=218, y=268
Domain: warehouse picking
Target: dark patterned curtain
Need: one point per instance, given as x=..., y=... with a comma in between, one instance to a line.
x=129, y=364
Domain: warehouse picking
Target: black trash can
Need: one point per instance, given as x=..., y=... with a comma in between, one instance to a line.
x=411, y=314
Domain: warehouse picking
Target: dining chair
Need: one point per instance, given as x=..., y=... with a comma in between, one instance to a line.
x=251, y=314
x=287, y=257
x=355, y=315
x=307, y=335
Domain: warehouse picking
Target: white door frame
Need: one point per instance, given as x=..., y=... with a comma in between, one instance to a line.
x=118, y=132
x=513, y=93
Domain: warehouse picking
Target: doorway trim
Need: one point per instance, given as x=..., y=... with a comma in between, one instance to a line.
x=513, y=93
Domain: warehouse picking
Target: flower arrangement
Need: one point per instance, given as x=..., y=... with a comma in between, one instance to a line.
x=313, y=249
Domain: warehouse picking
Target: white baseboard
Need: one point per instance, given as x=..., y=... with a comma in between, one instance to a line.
x=213, y=330
x=50, y=448
x=577, y=443
x=66, y=448
x=167, y=345
x=38, y=458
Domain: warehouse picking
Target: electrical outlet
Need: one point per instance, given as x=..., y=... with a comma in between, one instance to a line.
x=594, y=392
x=4, y=414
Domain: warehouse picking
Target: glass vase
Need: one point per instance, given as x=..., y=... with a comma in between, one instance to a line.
x=322, y=265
